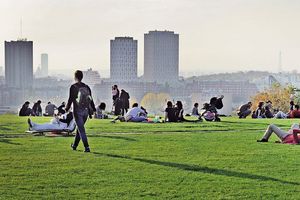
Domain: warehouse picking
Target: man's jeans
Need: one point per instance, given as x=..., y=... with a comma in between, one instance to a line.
x=80, y=117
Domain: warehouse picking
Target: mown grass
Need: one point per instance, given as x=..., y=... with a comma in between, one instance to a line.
x=149, y=161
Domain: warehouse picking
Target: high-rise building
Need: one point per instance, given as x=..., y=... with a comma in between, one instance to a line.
x=19, y=64
x=44, y=64
x=123, y=59
x=161, y=56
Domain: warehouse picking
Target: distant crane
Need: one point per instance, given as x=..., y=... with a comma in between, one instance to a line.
x=280, y=62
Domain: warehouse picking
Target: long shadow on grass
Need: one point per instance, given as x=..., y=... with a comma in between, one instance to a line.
x=201, y=169
x=7, y=141
x=243, y=122
x=13, y=135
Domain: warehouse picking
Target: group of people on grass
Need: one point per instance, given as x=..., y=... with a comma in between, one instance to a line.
x=265, y=110
x=37, y=110
x=80, y=99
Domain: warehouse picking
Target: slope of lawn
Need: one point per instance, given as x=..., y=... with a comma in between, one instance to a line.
x=208, y=160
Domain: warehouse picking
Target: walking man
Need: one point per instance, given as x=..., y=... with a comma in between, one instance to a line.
x=83, y=106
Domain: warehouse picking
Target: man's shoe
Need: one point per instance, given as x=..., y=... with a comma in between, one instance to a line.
x=73, y=147
x=87, y=149
x=262, y=140
x=29, y=123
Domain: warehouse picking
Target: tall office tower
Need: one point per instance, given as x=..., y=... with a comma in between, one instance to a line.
x=19, y=64
x=161, y=56
x=44, y=64
x=123, y=59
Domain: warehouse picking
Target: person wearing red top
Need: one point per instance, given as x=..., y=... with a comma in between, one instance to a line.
x=295, y=113
x=290, y=137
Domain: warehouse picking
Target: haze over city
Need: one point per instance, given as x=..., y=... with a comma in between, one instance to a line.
x=215, y=36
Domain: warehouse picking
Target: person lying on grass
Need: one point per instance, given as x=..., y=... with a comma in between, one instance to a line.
x=58, y=123
x=135, y=114
x=290, y=137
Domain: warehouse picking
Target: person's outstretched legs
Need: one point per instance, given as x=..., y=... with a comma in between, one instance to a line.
x=272, y=128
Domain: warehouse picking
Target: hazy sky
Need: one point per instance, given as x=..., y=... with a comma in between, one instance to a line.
x=214, y=35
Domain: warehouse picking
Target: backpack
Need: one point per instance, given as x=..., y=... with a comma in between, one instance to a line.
x=84, y=97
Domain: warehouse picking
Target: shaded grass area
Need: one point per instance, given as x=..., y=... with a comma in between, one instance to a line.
x=150, y=161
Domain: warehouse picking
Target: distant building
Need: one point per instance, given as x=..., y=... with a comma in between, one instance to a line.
x=91, y=77
x=19, y=64
x=1, y=71
x=38, y=72
x=123, y=59
x=2, y=80
x=161, y=56
x=44, y=65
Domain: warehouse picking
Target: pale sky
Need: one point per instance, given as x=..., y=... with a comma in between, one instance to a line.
x=214, y=35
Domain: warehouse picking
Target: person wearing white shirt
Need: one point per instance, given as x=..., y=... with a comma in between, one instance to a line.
x=135, y=114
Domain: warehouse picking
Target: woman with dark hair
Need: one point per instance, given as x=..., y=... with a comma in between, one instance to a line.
x=195, y=111
x=292, y=104
x=25, y=110
x=268, y=112
x=124, y=98
x=170, y=113
x=259, y=112
x=295, y=113
x=116, y=100
x=100, y=111
x=37, y=108
x=179, y=113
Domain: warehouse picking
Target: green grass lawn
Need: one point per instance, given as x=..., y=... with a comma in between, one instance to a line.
x=208, y=160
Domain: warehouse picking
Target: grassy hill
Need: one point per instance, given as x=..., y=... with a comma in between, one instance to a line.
x=206, y=160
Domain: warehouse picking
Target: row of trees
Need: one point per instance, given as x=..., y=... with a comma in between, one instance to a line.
x=279, y=95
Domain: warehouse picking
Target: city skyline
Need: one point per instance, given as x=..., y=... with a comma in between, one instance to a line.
x=215, y=36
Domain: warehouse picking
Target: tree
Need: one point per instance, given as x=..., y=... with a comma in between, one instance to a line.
x=279, y=95
x=155, y=103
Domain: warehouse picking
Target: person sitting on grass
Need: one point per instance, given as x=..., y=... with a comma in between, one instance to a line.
x=259, y=112
x=100, y=111
x=61, y=108
x=170, y=113
x=25, y=110
x=58, y=123
x=49, y=110
x=244, y=110
x=295, y=113
x=135, y=114
x=195, y=111
x=290, y=137
x=179, y=113
x=37, y=109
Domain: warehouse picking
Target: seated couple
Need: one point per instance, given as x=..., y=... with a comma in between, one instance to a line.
x=290, y=137
x=175, y=113
x=58, y=123
x=135, y=114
